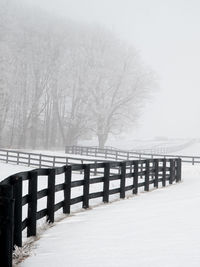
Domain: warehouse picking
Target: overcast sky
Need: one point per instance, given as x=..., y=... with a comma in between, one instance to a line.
x=167, y=34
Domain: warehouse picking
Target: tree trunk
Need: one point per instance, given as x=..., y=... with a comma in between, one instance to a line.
x=71, y=138
x=22, y=139
x=102, y=138
x=34, y=128
x=54, y=125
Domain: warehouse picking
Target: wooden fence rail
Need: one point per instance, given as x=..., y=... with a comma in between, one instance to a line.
x=42, y=160
x=116, y=154
x=131, y=176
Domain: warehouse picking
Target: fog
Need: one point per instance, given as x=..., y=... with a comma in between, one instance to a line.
x=76, y=71
x=166, y=33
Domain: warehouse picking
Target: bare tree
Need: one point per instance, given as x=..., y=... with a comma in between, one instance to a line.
x=120, y=84
x=61, y=82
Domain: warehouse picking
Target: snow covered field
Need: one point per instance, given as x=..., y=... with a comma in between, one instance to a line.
x=127, y=143
x=9, y=169
x=160, y=228
x=193, y=150
x=155, y=229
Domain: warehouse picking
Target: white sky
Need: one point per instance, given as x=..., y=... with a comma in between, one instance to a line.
x=167, y=34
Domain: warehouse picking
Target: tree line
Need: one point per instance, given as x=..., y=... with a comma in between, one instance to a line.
x=62, y=82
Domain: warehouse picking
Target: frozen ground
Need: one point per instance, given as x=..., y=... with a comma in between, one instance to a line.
x=156, y=229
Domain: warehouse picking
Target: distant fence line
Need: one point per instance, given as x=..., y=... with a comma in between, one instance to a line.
x=42, y=160
x=117, y=154
x=166, y=149
x=144, y=174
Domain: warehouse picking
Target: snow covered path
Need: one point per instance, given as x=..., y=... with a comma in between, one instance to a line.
x=156, y=229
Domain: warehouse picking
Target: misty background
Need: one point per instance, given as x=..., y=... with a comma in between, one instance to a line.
x=167, y=35
x=163, y=37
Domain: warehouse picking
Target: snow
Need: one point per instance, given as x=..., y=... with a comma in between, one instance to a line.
x=9, y=169
x=61, y=153
x=193, y=150
x=127, y=143
x=159, y=228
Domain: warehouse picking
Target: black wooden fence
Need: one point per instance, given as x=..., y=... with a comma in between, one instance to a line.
x=111, y=153
x=131, y=175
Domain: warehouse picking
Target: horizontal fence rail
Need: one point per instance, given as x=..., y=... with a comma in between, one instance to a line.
x=116, y=154
x=24, y=190
x=42, y=160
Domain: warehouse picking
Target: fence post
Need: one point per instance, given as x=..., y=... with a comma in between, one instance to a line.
x=179, y=167
x=67, y=190
x=171, y=176
x=51, y=196
x=193, y=161
x=95, y=169
x=135, y=178
x=123, y=180
x=17, y=158
x=130, y=168
x=156, y=162
x=40, y=161
x=164, y=173
x=29, y=159
x=6, y=225
x=127, y=155
x=17, y=194
x=146, y=185
x=32, y=205
x=7, y=157
x=106, y=182
x=86, y=187
x=81, y=164
x=54, y=161
x=106, y=154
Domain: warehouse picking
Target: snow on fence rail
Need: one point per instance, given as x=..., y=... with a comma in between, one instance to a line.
x=131, y=175
x=116, y=154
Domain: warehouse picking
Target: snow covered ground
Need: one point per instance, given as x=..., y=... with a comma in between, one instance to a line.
x=155, y=229
x=193, y=150
x=160, y=228
x=127, y=143
x=9, y=169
